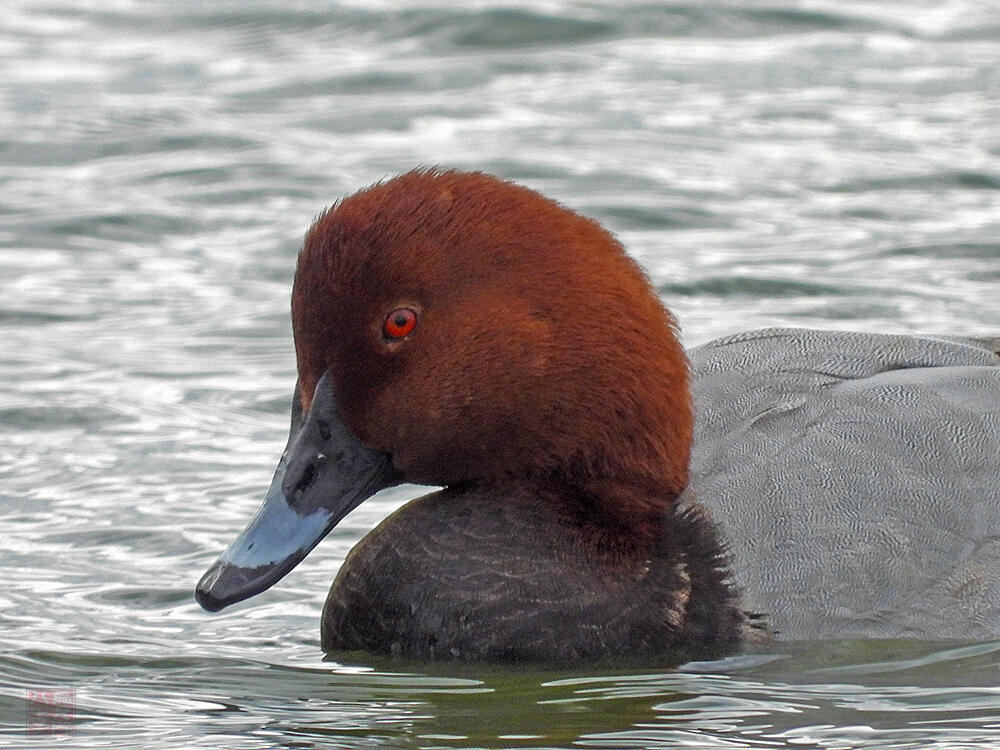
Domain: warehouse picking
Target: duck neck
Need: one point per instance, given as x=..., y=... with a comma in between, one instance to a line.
x=625, y=518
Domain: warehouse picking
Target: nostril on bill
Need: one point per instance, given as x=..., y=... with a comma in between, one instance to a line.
x=324, y=429
x=308, y=474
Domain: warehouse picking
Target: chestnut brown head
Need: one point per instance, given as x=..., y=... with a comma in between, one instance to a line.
x=475, y=330
x=454, y=328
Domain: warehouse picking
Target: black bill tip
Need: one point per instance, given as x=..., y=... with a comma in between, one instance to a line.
x=224, y=583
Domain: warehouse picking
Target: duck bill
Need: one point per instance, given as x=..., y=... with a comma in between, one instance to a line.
x=324, y=474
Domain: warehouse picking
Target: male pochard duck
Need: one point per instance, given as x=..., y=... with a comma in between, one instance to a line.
x=454, y=329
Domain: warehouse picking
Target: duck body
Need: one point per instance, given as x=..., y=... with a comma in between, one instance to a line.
x=453, y=329
x=855, y=478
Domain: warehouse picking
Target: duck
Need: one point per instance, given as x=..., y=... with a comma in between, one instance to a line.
x=605, y=493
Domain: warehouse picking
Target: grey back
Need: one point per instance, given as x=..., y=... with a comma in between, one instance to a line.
x=856, y=479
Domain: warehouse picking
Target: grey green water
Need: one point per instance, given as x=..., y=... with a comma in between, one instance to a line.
x=831, y=164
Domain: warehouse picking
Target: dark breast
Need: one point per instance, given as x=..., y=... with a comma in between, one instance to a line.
x=465, y=574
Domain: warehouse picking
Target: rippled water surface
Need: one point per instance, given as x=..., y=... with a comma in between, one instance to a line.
x=831, y=164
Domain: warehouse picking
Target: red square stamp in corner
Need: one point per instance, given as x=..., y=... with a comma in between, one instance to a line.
x=50, y=711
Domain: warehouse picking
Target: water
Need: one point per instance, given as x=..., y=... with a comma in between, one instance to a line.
x=831, y=164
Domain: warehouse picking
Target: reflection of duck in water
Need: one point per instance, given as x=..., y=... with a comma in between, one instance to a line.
x=457, y=330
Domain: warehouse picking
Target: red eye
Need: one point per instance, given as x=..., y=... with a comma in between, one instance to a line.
x=399, y=323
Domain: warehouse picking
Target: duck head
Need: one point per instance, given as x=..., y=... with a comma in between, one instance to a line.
x=453, y=328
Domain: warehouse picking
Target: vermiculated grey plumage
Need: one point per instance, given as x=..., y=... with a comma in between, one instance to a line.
x=855, y=478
